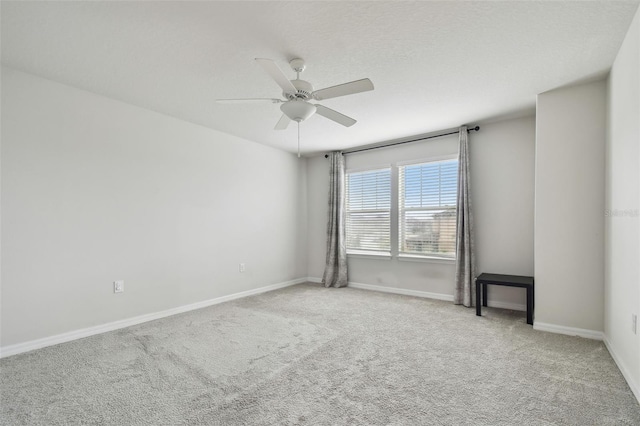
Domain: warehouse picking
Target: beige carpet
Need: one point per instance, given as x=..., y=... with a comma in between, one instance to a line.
x=313, y=356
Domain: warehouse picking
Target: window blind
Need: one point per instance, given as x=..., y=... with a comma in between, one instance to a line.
x=369, y=211
x=427, y=208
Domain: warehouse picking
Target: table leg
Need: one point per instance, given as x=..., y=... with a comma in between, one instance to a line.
x=484, y=294
x=530, y=305
x=478, y=288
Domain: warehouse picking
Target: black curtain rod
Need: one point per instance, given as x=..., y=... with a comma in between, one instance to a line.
x=409, y=141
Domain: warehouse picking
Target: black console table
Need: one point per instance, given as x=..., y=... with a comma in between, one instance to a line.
x=483, y=280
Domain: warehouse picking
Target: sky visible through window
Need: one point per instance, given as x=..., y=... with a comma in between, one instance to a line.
x=431, y=184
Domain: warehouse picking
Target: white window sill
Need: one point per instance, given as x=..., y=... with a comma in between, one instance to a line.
x=401, y=257
x=369, y=255
x=432, y=259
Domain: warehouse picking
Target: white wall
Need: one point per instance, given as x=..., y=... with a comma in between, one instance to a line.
x=569, y=207
x=317, y=214
x=622, y=227
x=95, y=190
x=502, y=156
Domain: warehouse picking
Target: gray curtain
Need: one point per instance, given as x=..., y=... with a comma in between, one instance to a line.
x=465, y=259
x=335, y=270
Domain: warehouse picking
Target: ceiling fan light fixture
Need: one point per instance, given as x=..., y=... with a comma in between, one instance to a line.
x=298, y=110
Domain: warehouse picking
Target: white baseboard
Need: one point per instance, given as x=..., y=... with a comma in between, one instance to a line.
x=403, y=291
x=419, y=293
x=115, y=325
x=635, y=387
x=570, y=331
x=393, y=290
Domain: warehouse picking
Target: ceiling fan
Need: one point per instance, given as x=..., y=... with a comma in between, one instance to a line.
x=297, y=94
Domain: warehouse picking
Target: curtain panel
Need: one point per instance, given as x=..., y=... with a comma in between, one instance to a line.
x=465, y=257
x=335, y=270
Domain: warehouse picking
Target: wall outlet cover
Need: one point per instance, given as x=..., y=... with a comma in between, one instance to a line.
x=118, y=286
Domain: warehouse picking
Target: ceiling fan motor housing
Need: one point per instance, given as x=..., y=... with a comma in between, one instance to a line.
x=304, y=90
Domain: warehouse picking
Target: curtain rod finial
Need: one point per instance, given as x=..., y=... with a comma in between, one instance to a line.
x=326, y=156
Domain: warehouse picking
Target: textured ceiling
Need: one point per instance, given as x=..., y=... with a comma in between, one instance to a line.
x=435, y=65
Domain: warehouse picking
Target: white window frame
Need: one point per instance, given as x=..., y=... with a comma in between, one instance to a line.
x=381, y=254
x=412, y=256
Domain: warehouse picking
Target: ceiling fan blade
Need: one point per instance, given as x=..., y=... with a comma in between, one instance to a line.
x=350, y=88
x=282, y=123
x=335, y=116
x=276, y=73
x=249, y=101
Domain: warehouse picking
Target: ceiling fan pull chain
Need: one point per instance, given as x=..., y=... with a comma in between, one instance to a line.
x=298, y=139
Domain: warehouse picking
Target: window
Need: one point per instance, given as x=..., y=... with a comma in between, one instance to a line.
x=369, y=211
x=427, y=208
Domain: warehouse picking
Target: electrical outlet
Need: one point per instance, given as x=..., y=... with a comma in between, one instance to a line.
x=242, y=267
x=118, y=286
x=634, y=323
